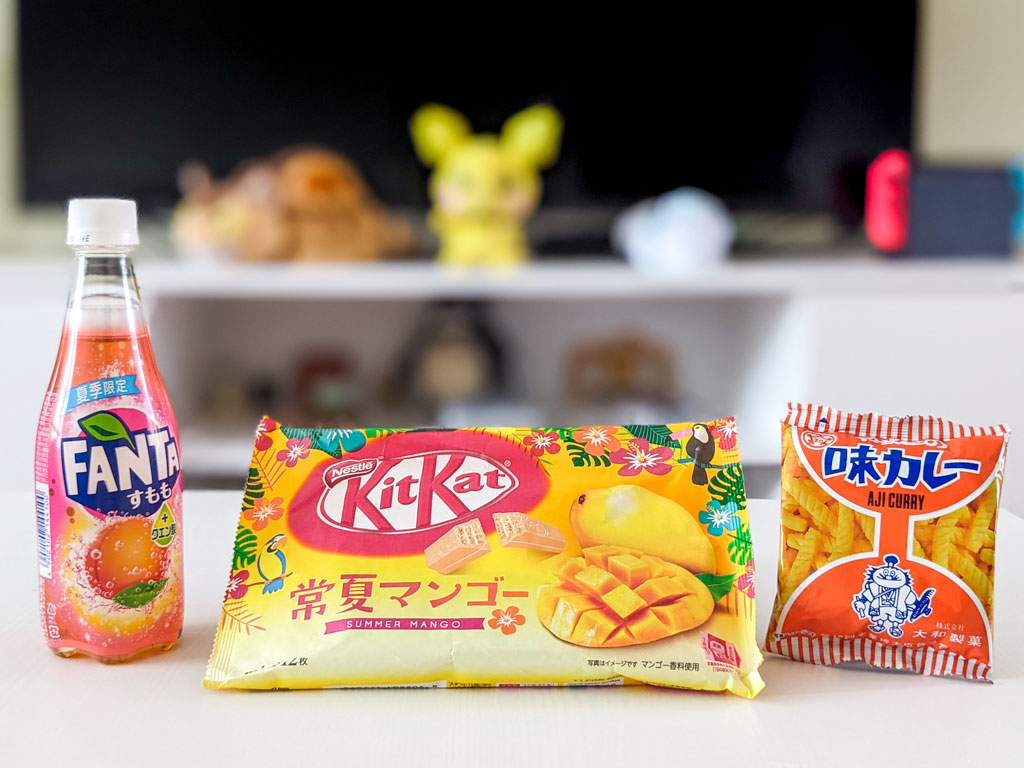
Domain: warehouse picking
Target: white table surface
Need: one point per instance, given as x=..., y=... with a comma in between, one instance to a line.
x=154, y=711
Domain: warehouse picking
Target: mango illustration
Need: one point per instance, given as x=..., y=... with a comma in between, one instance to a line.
x=634, y=517
x=615, y=596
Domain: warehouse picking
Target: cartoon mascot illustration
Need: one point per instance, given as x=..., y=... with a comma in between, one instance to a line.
x=888, y=599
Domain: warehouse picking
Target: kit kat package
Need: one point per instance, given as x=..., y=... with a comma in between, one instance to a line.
x=603, y=555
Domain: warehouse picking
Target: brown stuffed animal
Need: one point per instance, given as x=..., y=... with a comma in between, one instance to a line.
x=300, y=204
x=333, y=213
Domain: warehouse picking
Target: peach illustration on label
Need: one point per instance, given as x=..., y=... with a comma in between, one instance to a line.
x=125, y=564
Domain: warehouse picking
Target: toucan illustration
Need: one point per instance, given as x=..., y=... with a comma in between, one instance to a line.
x=271, y=565
x=701, y=448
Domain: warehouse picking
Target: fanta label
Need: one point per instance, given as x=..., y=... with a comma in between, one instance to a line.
x=108, y=481
x=111, y=469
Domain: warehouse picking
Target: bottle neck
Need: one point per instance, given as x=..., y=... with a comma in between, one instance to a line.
x=105, y=297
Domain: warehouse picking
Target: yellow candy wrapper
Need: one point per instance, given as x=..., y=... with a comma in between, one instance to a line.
x=602, y=555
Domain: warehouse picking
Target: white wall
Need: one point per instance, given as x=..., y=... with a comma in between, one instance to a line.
x=32, y=300
x=970, y=81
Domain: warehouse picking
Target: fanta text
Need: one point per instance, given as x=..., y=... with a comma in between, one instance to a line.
x=156, y=458
x=128, y=477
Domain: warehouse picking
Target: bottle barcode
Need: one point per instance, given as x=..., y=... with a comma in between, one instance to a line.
x=43, y=528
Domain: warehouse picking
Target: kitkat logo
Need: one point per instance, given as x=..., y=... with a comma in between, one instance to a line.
x=412, y=492
x=401, y=493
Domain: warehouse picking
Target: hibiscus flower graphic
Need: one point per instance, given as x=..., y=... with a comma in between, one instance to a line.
x=237, y=586
x=508, y=620
x=541, y=442
x=745, y=583
x=263, y=439
x=294, y=450
x=639, y=457
x=597, y=440
x=720, y=517
x=263, y=511
x=725, y=434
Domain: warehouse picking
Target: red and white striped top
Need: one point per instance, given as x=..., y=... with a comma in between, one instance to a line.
x=909, y=428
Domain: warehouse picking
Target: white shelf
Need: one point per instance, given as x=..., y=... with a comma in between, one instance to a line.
x=549, y=279
x=579, y=279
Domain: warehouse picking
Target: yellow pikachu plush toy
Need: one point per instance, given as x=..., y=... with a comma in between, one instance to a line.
x=484, y=187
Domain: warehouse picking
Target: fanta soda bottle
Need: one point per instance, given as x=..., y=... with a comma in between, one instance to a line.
x=108, y=466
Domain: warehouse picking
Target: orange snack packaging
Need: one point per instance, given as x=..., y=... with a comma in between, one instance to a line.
x=887, y=541
x=602, y=555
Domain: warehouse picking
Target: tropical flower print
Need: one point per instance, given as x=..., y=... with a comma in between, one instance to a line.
x=263, y=439
x=264, y=511
x=720, y=517
x=597, y=440
x=237, y=586
x=725, y=434
x=638, y=456
x=340, y=441
x=541, y=442
x=745, y=583
x=294, y=450
x=351, y=439
x=507, y=620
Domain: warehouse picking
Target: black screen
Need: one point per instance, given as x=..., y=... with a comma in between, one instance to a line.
x=762, y=107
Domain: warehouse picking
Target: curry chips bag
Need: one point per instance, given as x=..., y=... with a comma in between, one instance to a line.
x=887, y=542
x=489, y=557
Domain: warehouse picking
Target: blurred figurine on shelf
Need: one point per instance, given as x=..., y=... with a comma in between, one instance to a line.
x=627, y=378
x=676, y=233
x=452, y=357
x=240, y=217
x=333, y=213
x=484, y=187
x=627, y=367
x=231, y=397
x=327, y=388
x=303, y=203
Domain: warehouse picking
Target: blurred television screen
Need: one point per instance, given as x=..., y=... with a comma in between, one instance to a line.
x=781, y=111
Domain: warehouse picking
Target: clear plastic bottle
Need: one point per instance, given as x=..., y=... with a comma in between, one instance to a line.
x=107, y=469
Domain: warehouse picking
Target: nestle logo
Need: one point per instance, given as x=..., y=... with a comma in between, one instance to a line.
x=338, y=472
x=411, y=492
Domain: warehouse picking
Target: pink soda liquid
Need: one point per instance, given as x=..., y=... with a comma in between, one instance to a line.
x=108, y=500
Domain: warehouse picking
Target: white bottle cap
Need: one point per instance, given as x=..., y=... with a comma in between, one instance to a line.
x=102, y=221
